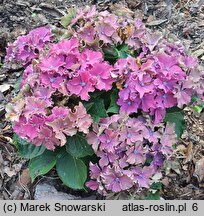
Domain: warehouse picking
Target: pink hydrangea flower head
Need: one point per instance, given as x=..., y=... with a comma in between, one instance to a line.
x=81, y=85
x=53, y=80
x=90, y=57
x=102, y=76
x=51, y=64
x=142, y=176
x=34, y=106
x=116, y=180
x=62, y=127
x=82, y=120
x=46, y=137
x=87, y=33
x=65, y=47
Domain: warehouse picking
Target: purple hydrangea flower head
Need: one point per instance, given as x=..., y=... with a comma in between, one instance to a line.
x=116, y=180
x=122, y=144
x=29, y=46
x=141, y=176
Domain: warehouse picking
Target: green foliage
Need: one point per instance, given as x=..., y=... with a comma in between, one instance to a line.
x=198, y=108
x=97, y=110
x=72, y=171
x=199, y=104
x=88, y=105
x=176, y=115
x=78, y=147
x=154, y=193
x=110, y=54
x=25, y=149
x=123, y=51
x=113, y=108
x=17, y=84
x=156, y=186
x=65, y=20
x=153, y=196
x=113, y=53
x=102, y=103
x=42, y=164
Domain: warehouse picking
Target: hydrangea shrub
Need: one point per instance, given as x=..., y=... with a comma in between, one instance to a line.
x=104, y=91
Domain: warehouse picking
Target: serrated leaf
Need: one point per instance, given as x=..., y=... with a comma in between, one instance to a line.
x=26, y=149
x=72, y=171
x=176, y=115
x=65, y=20
x=78, y=147
x=98, y=110
x=113, y=108
x=42, y=164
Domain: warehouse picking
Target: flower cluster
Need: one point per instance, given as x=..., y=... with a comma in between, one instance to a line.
x=39, y=125
x=156, y=82
x=151, y=73
x=28, y=47
x=97, y=29
x=160, y=77
x=94, y=26
x=71, y=72
x=124, y=146
x=64, y=70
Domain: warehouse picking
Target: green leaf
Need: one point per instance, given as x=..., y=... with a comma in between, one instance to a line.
x=123, y=51
x=176, y=115
x=17, y=84
x=194, y=98
x=42, y=164
x=156, y=186
x=78, y=147
x=26, y=149
x=148, y=161
x=88, y=105
x=110, y=53
x=96, y=94
x=113, y=108
x=65, y=20
x=198, y=108
x=199, y=104
x=98, y=111
x=72, y=171
x=153, y=196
